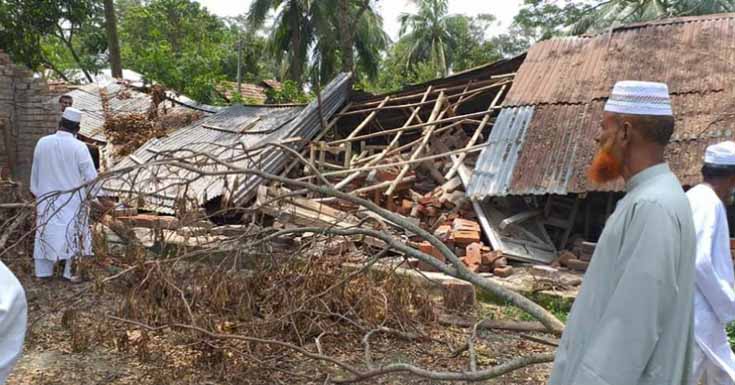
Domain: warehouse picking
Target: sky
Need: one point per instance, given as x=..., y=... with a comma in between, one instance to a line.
x=504, y=10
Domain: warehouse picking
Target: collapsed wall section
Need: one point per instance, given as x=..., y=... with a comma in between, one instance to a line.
x=27, y=112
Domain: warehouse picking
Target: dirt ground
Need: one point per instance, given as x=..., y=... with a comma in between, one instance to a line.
x=70, y=341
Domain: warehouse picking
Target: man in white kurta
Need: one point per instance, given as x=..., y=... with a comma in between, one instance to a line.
x=714, y=297
x=631, y=323
x=13, y=318
x=62, y=166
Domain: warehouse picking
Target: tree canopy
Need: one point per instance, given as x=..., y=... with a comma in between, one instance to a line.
x=183, y=46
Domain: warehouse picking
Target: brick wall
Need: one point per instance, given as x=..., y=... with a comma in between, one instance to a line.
x=27, y=112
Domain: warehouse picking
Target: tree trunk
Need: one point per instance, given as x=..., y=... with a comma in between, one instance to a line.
x=298, y=59
x=346, y=35
x=113, y=43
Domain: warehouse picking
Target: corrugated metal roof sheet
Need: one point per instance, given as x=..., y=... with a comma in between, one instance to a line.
x=121, y=99
x=563, y=84
x=690, y=55
x=546, y=149
x=215, y=136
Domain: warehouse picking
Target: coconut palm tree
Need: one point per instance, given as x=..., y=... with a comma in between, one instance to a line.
x=617, y=12
x=335, y=32
x=429, y=34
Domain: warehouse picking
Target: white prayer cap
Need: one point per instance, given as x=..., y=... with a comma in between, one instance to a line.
x=720, y=154
x=640, y=98
x=72, y=114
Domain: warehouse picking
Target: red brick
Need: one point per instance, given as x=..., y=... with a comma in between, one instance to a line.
x=151, y=221
x=407, y=205
x=461, y=224
x=458, y=295
x=473, y=256
x=384, y=176
x=428, y=248
x=490, y=257
x=466, y=237
x=503, y=272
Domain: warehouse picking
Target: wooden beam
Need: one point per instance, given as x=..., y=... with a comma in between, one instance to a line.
x=424, y=140
x=416, y=95
x=476, y=148
x=367, y=120
x=413, y=143
x=475, y=135
x=412, y=127
x=395, y=140
x=319, y=137
x=467, y=91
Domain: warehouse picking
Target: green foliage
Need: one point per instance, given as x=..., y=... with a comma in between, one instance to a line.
x=543, y=19
x=236, y=98
x=604, y=14
x=731, y=334
x=290, y=92
x=404, y=65
x=256, y=63
x=177, y=43
x=55, y=34
x=301, y=27
x=429, y=33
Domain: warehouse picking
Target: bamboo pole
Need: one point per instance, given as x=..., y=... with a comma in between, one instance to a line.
x=467, y=90
x=440, y=101
x=397, y=150
x=474, y=148
x=395, y=140
x=367, y=120
x=318, y=138
x=475, y=135
x=436, y=90
x=411, y=127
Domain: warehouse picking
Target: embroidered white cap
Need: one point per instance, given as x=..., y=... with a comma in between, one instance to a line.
x=720, y=154
x=640, y=98
x=71, y=113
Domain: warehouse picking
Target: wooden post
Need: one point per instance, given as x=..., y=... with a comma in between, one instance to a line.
x=476, y=134
x=394, y=142
x=428, y=131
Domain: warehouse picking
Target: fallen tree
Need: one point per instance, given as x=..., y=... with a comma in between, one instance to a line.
x=188, y=289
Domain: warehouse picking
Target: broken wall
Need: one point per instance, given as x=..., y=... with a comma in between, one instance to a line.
x=26, y=114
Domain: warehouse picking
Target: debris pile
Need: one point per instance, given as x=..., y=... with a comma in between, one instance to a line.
x=411, y=153
x=126, y=129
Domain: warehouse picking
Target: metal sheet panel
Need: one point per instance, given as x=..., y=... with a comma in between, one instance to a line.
x=121, y=99
x=689, y=54
x=494, y=167
x=546, y=149
x=214, y=137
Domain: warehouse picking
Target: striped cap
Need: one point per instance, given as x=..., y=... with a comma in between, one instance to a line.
x=640, y=98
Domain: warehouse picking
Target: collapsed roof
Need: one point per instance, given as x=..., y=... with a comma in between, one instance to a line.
x=543, y=139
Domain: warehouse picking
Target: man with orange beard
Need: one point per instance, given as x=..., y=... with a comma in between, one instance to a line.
x=632, y=321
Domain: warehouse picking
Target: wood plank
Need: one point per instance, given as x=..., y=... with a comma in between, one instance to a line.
x=476, y=134
x=392, y=144
x=424, y=140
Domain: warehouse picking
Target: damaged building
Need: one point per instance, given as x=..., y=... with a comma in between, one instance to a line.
x=492, y=160
x=111, y=99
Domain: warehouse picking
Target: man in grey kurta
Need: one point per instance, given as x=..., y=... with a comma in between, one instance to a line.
x=632, y=321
